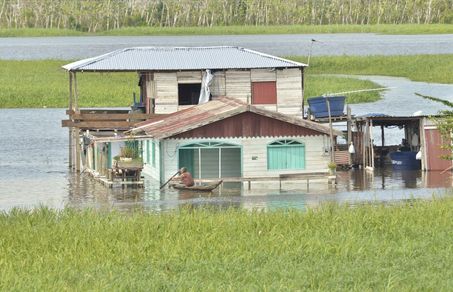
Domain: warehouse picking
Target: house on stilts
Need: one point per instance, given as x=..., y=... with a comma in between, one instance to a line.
x=250, y=99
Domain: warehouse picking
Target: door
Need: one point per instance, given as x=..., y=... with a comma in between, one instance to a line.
x=434, y=141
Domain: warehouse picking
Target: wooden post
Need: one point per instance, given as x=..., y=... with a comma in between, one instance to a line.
x=302, y=89
x=77, y=146
x=71, y=164
x=349, y=128
x=76, y=94
x=364, y=135
x=332, y=148
x=371, y=145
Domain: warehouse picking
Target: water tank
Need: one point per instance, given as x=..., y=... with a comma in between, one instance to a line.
x=318, y=106
x=405, y=160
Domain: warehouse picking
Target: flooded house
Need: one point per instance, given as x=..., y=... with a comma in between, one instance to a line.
x=209, y=108
x=232, y=140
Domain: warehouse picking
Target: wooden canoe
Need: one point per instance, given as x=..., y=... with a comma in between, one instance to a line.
x=199, y=188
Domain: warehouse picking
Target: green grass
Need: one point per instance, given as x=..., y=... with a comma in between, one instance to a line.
x=35, y=84
x=242, y=29
x=367, y=248
x=427, y=68
x=28, y=84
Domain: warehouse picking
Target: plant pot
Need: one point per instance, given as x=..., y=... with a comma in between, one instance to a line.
x=126, y=159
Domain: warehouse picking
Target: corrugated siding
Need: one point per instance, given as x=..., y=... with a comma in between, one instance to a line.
x=247, y=125
x=238, y=85
x=166, y=92
x=289, y=91
x=180, y=58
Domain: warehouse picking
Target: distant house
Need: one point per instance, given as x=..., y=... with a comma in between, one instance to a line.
x=228, y=138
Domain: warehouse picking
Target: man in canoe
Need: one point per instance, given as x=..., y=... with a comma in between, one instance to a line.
x=185, y=177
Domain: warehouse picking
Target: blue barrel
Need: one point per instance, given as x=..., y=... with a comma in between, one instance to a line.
x=405, y=160
x=318, y=106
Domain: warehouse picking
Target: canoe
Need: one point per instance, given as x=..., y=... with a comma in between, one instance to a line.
x=198, y=188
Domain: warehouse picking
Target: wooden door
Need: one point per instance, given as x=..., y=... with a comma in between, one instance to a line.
x=433, y=142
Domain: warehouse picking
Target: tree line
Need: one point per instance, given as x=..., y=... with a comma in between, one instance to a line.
x=100, y=15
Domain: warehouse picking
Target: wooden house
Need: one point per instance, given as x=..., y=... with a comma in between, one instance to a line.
x=171, y=79
x=228, y=138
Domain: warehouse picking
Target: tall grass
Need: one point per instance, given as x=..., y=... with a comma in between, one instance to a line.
x=241, y=29
x=402, y=248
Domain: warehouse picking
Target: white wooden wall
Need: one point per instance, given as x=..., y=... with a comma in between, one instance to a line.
x=231, y=83
x=315, y=157
x=148, y=168
x=289, y=91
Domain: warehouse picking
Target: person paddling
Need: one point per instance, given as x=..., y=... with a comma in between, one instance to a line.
x=185, y=177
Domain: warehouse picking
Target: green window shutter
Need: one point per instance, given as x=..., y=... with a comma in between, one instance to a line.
x=153, y=150
x=147, y=151
x=285, y=154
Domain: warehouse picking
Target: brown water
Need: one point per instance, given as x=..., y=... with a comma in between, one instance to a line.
x=34, y=171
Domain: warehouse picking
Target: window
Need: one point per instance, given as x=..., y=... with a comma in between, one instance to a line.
x=264, y=92
x=286, y=154
x=188, y=94
x=211, y=159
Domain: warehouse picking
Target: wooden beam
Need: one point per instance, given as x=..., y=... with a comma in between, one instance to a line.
x=98, y=124
x=110, y=117
x=78, y=149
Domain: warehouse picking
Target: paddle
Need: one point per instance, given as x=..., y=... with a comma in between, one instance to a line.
x=169, y=180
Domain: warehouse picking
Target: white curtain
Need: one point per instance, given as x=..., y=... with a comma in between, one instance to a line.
x=205, y=83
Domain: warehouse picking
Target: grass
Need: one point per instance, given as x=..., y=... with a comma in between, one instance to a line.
x=427, y=68
x=404, y=247
x=31, y=84
x=241, y=29
x=36, y=84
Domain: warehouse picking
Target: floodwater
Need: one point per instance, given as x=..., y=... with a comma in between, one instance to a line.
x=34, y=168
x=281, y=45
x=34, y=146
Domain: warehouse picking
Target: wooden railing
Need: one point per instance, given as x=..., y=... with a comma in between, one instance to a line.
x=104, y=119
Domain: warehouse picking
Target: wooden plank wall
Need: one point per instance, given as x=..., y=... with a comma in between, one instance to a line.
x=218, y=84
x=254, y=154
x=238, y=85
x=231, y=83
x=166, y=92
x=289, y=91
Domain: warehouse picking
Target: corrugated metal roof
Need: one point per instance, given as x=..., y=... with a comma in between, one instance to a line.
x=181, y=58
x=215, y=110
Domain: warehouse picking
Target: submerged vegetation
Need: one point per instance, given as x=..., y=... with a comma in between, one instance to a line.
x=403, y=247
x=44, y=84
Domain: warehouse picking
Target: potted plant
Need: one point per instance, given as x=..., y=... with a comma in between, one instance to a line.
x=332, y=167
